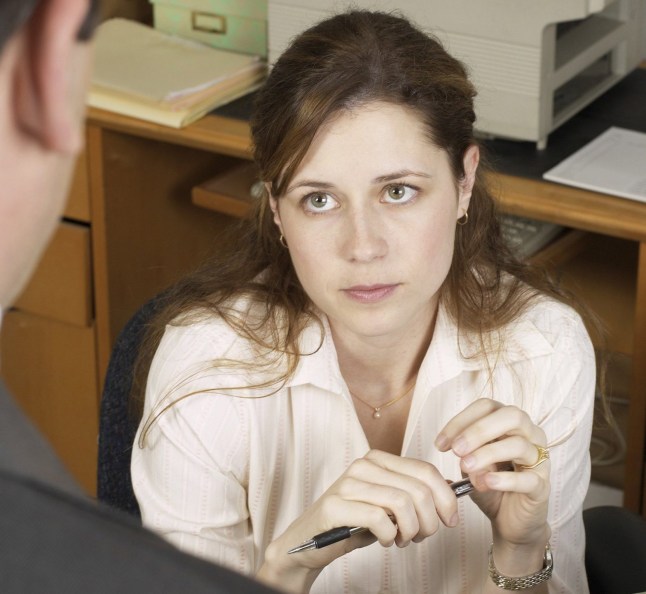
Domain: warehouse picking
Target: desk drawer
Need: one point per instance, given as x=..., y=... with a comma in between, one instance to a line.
x=78, y=201
x=50, y=367
x=61, y=286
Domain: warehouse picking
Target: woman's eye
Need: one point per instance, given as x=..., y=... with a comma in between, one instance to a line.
x=319, y=202
x=400, y=193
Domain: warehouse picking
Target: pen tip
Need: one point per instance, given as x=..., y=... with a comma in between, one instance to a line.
x=306, y=546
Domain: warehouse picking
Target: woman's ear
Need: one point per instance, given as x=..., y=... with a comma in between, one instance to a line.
x=273, y=204
x=52, y=76
x=470, y=166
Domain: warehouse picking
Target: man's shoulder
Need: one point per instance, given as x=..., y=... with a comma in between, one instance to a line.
x=55, y=542
x=23, y=450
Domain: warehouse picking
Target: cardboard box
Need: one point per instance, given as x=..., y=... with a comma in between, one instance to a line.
x=236, y=25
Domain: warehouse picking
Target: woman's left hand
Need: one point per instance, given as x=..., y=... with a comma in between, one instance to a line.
x=496, y=443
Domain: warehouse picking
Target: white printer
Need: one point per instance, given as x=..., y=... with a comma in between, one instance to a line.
x=535, y=63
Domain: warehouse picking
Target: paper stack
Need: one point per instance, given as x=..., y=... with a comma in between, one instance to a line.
x=153, y=76
x=612, y=163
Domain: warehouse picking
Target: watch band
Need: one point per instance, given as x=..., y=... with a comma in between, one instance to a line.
x=525, y=582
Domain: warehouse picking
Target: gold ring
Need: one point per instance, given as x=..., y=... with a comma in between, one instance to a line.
x=543, y=454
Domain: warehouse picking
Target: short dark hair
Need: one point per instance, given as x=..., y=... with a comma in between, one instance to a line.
x=91, y=20
x=15, y=13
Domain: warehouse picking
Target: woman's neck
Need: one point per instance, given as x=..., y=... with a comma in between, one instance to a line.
x=378, y=369
x=381, y=380
x=380, y=373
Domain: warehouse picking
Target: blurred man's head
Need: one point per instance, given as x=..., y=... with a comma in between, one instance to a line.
x=44, y=68
x=15, y=13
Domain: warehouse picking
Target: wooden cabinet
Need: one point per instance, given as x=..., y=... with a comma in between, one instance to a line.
x=61, y=288
x=48, y=340
x=129, y=230
x=146, y=233
x=50, y=367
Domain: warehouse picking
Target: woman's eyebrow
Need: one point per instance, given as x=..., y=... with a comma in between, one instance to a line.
x=310, y=183
x=398, y=174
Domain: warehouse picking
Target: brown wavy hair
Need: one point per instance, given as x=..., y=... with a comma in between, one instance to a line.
x=342, y=63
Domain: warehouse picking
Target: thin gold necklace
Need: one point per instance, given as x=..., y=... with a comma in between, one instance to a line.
x=377, y=409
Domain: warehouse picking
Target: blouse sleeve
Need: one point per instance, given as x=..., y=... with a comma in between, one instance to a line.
x=189, y=474
x=565, y=414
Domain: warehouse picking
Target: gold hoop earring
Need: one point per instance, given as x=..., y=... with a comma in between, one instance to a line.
x=464, y=219
x=282, y=241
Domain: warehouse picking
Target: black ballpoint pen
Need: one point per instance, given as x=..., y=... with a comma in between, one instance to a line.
x=329, y=537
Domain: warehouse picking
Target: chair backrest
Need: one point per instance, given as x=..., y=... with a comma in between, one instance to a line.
x=117, y=427
x=615, y=553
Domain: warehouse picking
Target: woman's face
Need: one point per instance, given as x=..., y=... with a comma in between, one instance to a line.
x=369, y=219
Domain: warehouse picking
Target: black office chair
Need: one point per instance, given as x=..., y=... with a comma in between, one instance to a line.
x=615, y=556
x=117, y=427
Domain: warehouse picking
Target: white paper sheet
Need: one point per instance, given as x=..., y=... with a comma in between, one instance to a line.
x=613, y=163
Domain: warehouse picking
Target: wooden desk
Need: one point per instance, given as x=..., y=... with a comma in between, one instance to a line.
x=145, y=232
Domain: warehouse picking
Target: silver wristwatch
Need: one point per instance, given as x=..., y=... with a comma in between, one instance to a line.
x=525, y=582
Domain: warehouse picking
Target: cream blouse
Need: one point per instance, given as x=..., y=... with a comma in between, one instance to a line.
x=221, y=476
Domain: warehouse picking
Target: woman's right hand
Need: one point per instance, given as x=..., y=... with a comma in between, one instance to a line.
x=398, y=499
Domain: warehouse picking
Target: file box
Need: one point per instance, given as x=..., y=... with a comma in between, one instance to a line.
x=235, y=25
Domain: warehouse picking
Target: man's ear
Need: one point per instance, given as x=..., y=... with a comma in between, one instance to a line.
x=470, y=165
x=49, y=77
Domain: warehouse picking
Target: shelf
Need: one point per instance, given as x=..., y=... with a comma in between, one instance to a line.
x=564, y=247
x=230, y=193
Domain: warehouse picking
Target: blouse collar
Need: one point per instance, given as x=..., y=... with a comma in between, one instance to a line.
x=446, y=358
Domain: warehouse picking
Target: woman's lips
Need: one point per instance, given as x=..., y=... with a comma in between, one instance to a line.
x=370, y=293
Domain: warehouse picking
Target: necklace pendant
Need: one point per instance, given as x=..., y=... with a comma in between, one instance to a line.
x=376, y=414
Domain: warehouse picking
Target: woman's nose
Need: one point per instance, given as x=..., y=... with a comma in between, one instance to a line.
x=364, y=236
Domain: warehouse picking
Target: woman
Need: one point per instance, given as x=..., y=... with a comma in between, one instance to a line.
x=368, y=339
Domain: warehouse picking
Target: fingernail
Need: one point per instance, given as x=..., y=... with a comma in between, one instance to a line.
x=441, y=441
x=468, y=462
x=460, y=446
x=454, y=520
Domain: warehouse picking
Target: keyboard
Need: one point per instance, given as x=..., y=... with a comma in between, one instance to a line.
x=526, y=236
